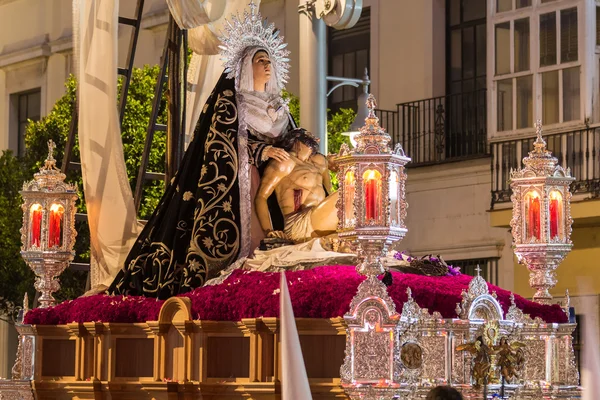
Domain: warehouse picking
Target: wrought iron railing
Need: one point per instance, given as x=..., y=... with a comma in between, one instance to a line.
x=578, y=150
x=440, y=129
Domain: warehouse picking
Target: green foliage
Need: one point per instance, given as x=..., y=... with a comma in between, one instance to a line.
x=294, y=105
x=336, y=125
x=15, y=276
x=339, y=123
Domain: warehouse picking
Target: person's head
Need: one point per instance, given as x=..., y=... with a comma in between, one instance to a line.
x=301, y=142
x=257, y=72
x=444, y=393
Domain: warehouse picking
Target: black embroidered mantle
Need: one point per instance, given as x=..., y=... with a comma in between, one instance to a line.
x=195, y=230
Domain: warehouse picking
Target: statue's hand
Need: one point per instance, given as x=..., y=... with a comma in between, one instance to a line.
x=277, y=234
x=331, y=162
x=276, y=153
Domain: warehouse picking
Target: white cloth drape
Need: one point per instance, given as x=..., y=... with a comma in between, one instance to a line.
x=111, y=212
x=294, y=381
x=203, y=73
x=192, y=13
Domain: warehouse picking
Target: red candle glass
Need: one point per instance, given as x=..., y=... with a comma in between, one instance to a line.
x=35, y=228
x=533, y=216
x=372, y=184
x=55, y=224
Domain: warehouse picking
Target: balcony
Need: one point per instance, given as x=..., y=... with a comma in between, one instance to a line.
x=578, y=150
x=440, y=129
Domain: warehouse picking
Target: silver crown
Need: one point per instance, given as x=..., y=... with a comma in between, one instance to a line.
x=251, y=31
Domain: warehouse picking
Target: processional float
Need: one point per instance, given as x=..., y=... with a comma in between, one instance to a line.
x=389, y=353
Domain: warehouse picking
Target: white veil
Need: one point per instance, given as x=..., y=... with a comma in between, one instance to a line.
x=245, y=81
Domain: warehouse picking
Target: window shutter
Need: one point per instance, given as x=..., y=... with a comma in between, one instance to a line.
x=568, y=35
x=548, y=39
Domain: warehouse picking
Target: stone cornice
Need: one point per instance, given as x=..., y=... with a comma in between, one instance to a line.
x=62, y=45
x=11, y=59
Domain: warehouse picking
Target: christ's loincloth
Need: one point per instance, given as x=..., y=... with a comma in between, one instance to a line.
x=298, y=225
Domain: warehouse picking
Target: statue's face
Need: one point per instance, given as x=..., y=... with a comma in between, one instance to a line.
x=303, y=150
x=261, y=68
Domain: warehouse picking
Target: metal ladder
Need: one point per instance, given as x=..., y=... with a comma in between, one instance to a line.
x=175, y=45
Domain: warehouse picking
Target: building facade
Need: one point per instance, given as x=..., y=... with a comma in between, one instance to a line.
x=459, y=83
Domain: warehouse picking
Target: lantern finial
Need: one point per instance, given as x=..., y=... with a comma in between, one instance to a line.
x=371, y=104
x=50, y=162
x=372, y=136
x=540, y=160
x=540, y=143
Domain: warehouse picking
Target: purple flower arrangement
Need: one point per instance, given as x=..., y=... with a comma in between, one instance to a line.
x=427, y=265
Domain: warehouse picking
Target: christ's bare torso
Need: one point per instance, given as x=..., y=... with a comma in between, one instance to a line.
x=303, y=187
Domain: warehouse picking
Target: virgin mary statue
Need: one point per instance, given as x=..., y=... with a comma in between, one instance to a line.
x=204, y=220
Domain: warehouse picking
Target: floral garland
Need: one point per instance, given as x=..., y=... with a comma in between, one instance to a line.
x=427, y=265
x=322, y=292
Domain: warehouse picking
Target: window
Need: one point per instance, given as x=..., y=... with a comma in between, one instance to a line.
x=524, y=102
x=550, y=106
x=503, y=5
x=521, y=45
x=571, y=90
x=504, y=105
x=547, y=39
x=568, y=35
x=349, y=55
x=25, y=106
x=466, y=46
x=597, y=26
x=551, y=73
x=503, y=48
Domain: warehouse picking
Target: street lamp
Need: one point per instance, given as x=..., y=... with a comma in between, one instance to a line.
x=362, y=110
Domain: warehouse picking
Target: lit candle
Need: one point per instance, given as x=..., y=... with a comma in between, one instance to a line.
x=56, y=213
x=371, y=195
x=534, y=216
x=36, y=224
x=554, y=214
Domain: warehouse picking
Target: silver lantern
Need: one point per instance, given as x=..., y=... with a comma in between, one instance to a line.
x=372, y=203
x=48, y=232
x=541, y=220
